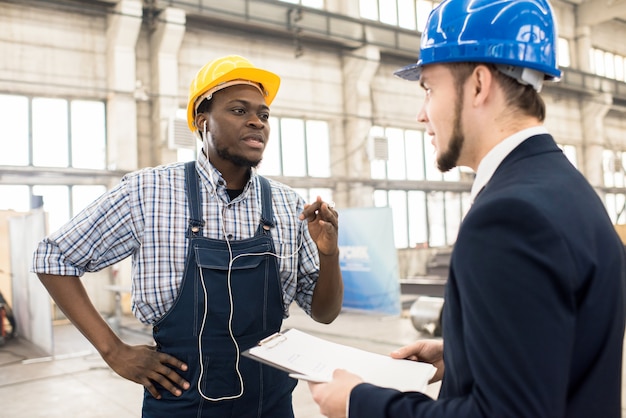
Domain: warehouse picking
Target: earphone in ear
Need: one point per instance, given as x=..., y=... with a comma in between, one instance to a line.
x=205, y=145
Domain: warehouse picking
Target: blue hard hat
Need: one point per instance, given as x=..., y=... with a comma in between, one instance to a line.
x=508, y=33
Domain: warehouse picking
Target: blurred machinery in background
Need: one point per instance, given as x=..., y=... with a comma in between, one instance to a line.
x=7, y=321
x=425, y=314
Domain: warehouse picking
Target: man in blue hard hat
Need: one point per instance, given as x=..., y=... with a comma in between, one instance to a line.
x=533, y=321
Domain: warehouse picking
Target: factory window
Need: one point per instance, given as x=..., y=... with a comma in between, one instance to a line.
x=425, y=213
x=15, y=197
x=570, y=153
x=614, y=169
x=399, y=154
x=607, y=64
x=424, y=218
x=60, y=202
x=563, y=52
x=51, y=132
x=311, y=194
x=616, y=207
x=14, y=117
x=297, y=148
x=408, y=14
x=317, y=4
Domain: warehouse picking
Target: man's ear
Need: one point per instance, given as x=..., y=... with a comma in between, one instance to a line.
x=482, y=79
x=201, y=120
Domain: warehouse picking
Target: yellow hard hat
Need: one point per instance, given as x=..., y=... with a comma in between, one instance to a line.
x=224, y=72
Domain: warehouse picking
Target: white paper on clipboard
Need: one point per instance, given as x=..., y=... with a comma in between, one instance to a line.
x=315, y=359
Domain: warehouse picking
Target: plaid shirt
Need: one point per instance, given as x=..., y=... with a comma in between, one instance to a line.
x=147, y=215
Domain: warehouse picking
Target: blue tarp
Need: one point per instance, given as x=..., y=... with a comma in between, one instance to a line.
x=368, y=260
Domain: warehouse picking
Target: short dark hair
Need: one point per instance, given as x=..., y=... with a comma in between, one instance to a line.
x=521, y=96
x=204, y=106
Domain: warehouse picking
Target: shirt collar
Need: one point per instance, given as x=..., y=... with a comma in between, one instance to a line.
x=492, y=160
x=212, y=177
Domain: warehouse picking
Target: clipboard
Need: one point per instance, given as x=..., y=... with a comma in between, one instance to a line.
x=311, y=358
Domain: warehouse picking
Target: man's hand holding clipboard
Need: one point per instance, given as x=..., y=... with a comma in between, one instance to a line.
x=314, y=359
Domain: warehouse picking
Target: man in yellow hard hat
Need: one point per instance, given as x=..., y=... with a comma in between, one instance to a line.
x=219, y=254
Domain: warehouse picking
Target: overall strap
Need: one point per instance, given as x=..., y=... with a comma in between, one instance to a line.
x=267, y=214
x=193, y=198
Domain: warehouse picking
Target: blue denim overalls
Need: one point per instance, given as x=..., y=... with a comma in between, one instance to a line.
x=257, y=311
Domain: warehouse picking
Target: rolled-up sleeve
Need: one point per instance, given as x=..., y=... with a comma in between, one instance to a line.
x=99, y=236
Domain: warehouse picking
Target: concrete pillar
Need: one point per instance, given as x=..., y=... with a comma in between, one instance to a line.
x=583, y=47
x=122, y=31
x=359, y=69
x=593, y=112
x=165, y=44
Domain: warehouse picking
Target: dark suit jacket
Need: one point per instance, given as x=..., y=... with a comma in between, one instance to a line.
x=533, y=321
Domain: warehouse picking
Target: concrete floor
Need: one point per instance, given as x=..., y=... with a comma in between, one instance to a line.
x=76, y=382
